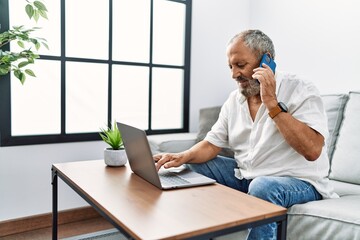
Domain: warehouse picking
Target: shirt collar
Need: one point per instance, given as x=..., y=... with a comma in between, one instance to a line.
x=239, y=97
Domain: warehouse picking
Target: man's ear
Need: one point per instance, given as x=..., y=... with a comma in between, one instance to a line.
x=269, y=54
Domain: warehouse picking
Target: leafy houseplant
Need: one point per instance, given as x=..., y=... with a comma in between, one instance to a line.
x=18, y=61
x=115, y=155
x=112, y=137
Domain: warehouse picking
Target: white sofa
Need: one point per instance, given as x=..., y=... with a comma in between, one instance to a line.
x=325, y=219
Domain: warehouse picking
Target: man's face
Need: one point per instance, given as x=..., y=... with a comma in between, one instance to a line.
x=242, y=61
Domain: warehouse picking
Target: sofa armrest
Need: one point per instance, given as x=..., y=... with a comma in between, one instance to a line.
x=172, y=143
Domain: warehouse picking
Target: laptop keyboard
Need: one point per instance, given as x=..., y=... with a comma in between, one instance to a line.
x=169, y=178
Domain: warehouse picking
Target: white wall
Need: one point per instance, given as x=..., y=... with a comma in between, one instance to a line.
x=214, y=22
x=318, y=39
x=25, y=177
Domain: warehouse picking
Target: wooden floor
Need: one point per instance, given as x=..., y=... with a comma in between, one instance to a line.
x=64, y=231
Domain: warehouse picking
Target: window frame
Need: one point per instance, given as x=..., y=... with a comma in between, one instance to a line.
x=6, y=139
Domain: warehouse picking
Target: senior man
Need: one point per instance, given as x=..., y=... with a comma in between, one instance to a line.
x=276, y=125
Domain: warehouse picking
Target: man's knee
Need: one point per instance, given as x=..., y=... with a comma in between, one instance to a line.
x=264, y=187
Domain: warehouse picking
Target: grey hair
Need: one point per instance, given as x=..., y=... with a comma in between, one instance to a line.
x=257, y=41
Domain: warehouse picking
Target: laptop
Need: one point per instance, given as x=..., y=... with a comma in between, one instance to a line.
x=141, y=162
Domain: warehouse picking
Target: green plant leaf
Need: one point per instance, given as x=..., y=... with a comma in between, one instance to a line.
x=30, y=72
x=36, y=15
x=45, y=45
x=22, y=78
x=18, y=28
x=29, y=10
x=23, y=64
x=17, y=73
x=21, y=44
x=4, y=69
x=37, y=46
x=40, y=5
x=112, y=137
x=43, y=14
x=20, y=75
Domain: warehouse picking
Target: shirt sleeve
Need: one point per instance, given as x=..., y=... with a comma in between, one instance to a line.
x=307, y=106
x=218, y=135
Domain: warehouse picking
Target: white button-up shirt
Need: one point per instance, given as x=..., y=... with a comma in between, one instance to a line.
x=259, y=147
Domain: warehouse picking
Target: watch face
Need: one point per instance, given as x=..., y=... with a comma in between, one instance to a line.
x=283, y=107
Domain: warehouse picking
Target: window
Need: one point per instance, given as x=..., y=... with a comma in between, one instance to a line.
x=123, y=60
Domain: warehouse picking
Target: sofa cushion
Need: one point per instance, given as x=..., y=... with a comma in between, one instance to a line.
x=334, y=106
x=207, y=118
x=345, y=189
x=336, y=218
x=345, y=164
x=171, y=143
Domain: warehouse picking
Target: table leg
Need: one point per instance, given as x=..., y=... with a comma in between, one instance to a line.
x=54, y=182
x=281, y=229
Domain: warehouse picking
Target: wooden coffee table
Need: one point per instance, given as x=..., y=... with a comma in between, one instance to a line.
x=142, y=211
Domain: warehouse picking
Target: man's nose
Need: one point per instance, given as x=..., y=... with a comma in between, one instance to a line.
x=235, y=73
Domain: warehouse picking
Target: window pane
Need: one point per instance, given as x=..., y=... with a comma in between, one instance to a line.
x=86, y=96
x=35, y=106
x=167, y=98
x=73, y=99
x=49, y=29
x=131, y=30
x=87, y=29
x=130, y=95
x=169, y=32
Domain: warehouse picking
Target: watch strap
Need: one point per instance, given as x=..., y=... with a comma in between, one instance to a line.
x=275, y=111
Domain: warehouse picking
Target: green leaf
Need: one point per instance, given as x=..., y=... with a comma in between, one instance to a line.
x=43, y=14
x=30, y=72
x=21, y=44
x=4, y=69
x=112, y=137
x=40, y=5
x=23, y=64
x=36, y=15
x=37, y=46
x=17, y=73
x=47, y=47
x=33, y=40
x=22, y=78
x=17, y=28
x=29, y=10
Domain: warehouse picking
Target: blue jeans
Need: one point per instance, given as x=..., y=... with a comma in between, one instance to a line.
x=282, y=191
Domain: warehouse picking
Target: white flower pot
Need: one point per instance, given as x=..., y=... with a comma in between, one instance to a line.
x=115, y=158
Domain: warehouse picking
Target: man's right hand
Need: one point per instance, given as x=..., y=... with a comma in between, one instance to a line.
x=201, y=152
x=169, y=160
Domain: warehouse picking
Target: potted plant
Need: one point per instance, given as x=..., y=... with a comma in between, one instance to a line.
x=115, y=154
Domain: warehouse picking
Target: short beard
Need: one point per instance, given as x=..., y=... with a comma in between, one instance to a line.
x=252, y=89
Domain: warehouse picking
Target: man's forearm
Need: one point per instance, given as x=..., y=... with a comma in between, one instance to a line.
x=299, y=136
x=202, y=152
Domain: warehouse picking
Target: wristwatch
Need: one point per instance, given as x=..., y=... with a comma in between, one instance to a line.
x=281, y=107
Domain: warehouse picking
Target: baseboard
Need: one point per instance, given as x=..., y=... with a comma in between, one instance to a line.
x=30, y=223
